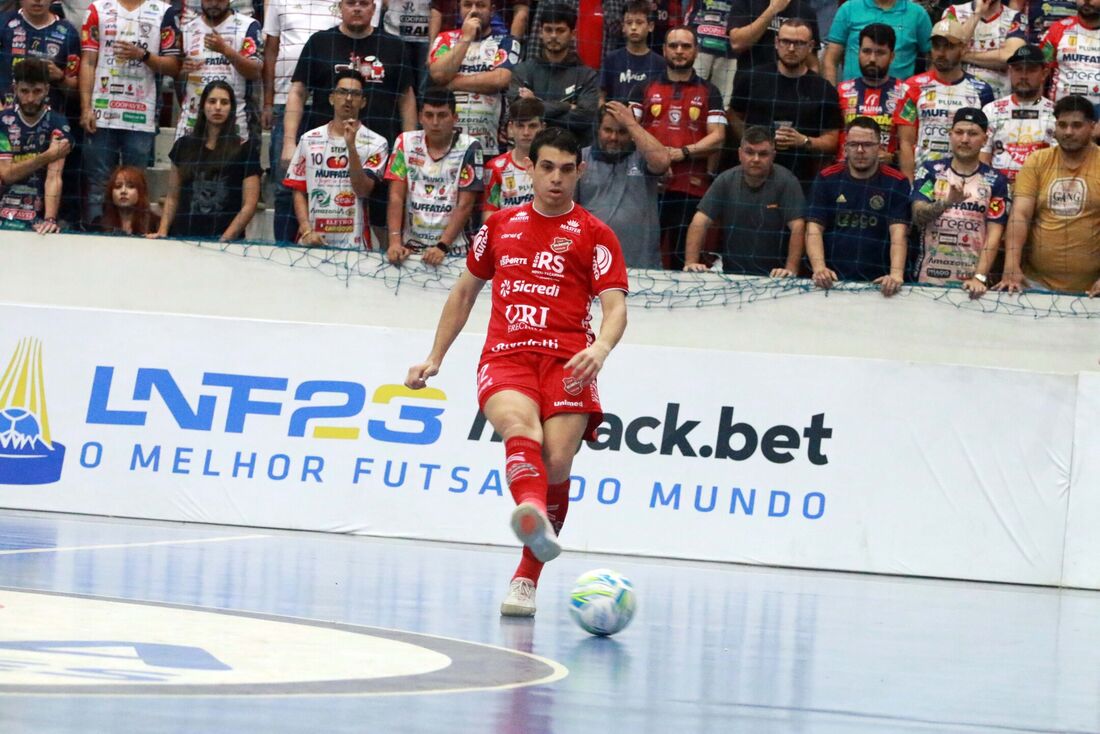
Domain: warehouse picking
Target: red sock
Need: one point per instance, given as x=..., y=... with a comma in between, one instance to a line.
x=557, y=505
x=524, y=470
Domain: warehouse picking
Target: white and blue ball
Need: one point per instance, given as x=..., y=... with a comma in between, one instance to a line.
x=603, y=602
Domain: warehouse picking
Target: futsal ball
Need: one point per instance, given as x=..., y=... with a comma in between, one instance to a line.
x=602, y=602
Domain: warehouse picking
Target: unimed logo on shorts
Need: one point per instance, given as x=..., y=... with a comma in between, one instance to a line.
x=28, y=453
x=675, y=434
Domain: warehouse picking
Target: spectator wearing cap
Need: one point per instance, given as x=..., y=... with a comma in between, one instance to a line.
x=961, y=206
x=758, y=206
x=1051, y=240
x=924, y=118
x=569, y=89
x=1023, y=121
x=622, y=171
x=857, y=222
x=908, y=19
x=1072, y=48
x=996, y=33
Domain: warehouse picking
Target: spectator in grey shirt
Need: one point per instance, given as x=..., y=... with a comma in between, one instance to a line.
x=619, y=183
x=759, y=207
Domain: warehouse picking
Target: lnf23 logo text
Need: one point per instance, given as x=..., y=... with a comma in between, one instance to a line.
x=417, y=424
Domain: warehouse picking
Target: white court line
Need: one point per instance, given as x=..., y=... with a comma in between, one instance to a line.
x=66, y=549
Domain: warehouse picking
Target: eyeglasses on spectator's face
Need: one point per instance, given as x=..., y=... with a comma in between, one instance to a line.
x=861, y=144
x=348, y=92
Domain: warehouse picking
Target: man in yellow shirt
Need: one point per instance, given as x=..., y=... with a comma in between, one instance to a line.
x=1053, y=235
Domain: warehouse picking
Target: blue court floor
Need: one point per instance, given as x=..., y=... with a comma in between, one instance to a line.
x=250, y=630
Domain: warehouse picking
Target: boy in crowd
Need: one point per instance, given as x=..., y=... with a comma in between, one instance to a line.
x=507, y=182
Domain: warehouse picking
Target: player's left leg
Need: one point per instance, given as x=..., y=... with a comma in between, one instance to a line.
x=562, y=435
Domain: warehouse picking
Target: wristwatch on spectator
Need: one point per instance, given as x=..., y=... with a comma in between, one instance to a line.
x=443, y=246
x=686, y=152
x=983, y=279
x=145, y=56
x=807, y=142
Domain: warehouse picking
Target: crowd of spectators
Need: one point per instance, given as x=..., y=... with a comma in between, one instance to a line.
x=883, y=141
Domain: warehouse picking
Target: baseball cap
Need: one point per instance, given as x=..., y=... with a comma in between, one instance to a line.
x=1029, y=54
x=951, y=29
x=971, y=114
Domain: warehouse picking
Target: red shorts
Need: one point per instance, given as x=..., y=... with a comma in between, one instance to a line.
x=543, y=378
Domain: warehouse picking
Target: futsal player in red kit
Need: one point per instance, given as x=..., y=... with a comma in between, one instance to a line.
x=536, y=382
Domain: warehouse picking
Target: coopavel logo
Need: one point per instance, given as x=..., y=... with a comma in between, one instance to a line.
x=28, y=455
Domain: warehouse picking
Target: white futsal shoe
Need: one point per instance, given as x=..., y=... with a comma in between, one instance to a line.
x=533, y=528
x=520, y=601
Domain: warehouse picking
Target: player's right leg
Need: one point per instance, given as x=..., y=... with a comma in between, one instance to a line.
x=515, y=416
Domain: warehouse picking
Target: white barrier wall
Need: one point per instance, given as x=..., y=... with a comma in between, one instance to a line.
x=1082, y=564
x=821, y=462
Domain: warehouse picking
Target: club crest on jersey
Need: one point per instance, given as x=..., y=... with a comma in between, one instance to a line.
x=561, y=244
x=572, y=385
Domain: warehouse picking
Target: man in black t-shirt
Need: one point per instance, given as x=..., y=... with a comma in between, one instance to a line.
x=797, y=103
x=390, y=107
x=752, y=26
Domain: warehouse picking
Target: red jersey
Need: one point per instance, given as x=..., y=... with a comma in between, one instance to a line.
x=879, y=103
x=677, y=114
x=1073, y=51
x=545, y=273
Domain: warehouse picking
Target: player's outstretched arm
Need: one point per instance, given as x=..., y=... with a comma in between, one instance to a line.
x=455, y=313
x=588, y=362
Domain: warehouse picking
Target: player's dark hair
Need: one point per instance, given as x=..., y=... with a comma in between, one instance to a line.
x=438, y=97
x=349, y=74
x=31, y=71
x=557, y=138
x=526, y=108
x=1072, y=103
x=865, y=122
x=558, y=13
x=639, y=7
x=757, y=134
x=879, y=34
x=228, y=139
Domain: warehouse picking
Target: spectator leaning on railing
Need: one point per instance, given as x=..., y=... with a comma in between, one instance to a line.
x=436, y=178
x=1052, y=238
x=34, y=141
x=214, y=185
x=857, y=222
x=335, y=167
x=961, y=204
x=759, y=208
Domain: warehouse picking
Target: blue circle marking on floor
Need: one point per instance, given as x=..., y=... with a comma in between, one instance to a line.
x=56, y=643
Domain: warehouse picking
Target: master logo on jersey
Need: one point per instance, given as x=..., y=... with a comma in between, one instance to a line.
x=28, y=455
